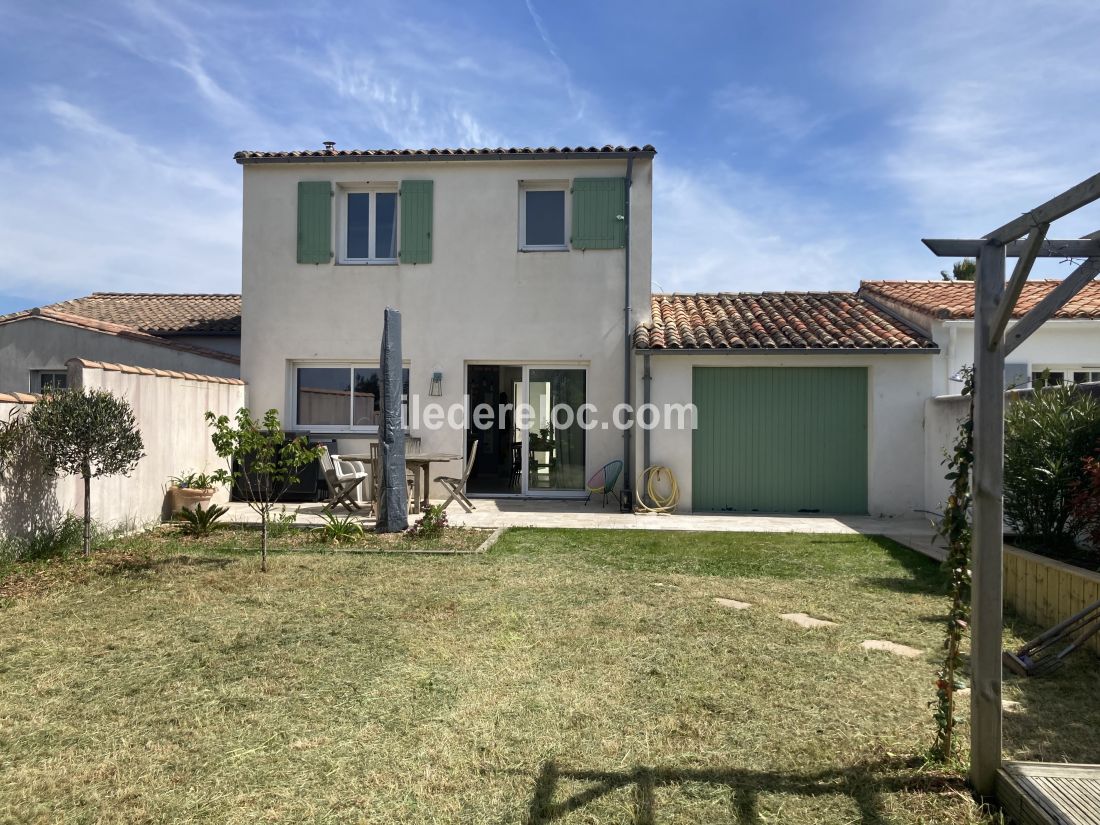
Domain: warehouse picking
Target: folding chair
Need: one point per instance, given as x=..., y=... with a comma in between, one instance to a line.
x=457, y=486
x=341, y=482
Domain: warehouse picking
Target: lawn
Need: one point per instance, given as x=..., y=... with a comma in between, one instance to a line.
x=565, y=676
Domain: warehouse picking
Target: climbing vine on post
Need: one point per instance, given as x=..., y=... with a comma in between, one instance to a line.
x=955, y=528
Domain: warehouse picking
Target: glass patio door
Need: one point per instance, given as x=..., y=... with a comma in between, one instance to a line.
x=544, y=458
x=555, y=442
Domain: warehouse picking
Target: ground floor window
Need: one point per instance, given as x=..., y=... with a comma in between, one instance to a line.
x=46, y=380
x=341, y=396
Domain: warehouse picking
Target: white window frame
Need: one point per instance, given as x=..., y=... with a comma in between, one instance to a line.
x=1066, y=370
x=342, y=223
x=350, y=366
x=544, y=186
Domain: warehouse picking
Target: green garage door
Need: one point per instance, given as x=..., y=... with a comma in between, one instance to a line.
x=780, y=439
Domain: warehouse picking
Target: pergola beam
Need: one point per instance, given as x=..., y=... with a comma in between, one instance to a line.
x=986, y=615
x=1054, y=301
x=969, y=248
x=1057, y=207
x=1016, y=284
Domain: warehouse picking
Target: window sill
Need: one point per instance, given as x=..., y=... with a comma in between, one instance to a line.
x=544, y=249
x=388, y=262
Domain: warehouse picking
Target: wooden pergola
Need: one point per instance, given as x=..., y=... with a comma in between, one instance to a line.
x=1025, y=239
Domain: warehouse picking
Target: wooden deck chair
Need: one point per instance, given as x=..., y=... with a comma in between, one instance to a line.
x=341, y=481
x=603, y=480
x=457, y=486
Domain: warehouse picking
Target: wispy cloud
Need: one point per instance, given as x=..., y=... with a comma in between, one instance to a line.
x=98, y=210
x=985, y=128
x=551, y=47
x=763, y=110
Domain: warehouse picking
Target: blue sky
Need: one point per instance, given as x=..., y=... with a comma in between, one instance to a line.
x=802, y=145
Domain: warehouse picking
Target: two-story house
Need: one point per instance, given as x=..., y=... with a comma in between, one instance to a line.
x=519, y=274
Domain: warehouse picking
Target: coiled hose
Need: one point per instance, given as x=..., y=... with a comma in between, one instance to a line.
x=648, y=482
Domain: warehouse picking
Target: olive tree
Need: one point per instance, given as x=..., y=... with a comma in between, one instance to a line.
x=260, y=459
x=89, y=433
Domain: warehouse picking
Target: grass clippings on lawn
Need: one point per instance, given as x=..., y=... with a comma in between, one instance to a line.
x=548, y=681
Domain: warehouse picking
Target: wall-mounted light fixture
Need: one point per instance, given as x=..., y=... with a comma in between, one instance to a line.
x=436, y=388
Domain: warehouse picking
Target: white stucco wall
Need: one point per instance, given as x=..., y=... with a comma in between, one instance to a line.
x=480, y=300
x=169, y=413
x=897, y=387
x=1056, y=343
x=941, y=427
x=38, y=344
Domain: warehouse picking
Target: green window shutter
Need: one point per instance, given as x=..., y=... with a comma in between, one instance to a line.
x=314, y=222
x=599, y=206
x=416, y=222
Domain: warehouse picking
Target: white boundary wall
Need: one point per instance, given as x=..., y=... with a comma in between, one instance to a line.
x=169, y=407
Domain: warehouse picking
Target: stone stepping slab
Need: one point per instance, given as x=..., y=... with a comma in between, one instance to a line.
x=808, y=622
x=1007, y=705
x=892, y=647
x=732, y=604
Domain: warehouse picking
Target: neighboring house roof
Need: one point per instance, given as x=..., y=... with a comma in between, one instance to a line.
x=500, y=153
x=774, y=321
x=109, y=328
x=955, y=299
x=159, y=313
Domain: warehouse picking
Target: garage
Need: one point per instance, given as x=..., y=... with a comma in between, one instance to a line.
x=780, y=439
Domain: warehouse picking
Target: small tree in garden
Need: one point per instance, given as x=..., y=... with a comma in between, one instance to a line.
x=1047, y=436
x=90, y=434
x=266, y=461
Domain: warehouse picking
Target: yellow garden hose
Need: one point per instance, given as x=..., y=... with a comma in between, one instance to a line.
x=648, y=482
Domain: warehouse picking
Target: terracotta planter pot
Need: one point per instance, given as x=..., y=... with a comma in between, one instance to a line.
x=185, y=498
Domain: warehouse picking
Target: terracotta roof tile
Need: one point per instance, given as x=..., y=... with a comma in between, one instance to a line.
x=955, y=299
x=160, y=313
x=773, y=320
x=81, y=311
x=511, y=152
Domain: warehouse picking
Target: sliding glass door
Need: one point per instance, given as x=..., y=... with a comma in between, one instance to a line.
x=547, y=456
x=555, y=442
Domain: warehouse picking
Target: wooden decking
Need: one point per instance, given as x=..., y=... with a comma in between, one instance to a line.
x=1041, y=793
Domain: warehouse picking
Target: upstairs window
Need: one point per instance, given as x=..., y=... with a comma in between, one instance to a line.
x=368, y=222
x=542, y=218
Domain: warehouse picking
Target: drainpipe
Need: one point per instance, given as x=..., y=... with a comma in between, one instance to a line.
x=627, y=498
x=647, y=382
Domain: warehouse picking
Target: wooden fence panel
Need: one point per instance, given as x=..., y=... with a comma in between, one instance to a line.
x=1045, y=591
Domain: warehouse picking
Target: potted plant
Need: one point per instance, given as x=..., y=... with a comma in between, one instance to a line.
x=189, y=489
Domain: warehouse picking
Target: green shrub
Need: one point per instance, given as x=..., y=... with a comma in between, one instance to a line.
x=194, y=481
x=56, y=539
x=200, y=522
x=337, y=530
x=1048, y=434
x=282, y=524
x=431, y=525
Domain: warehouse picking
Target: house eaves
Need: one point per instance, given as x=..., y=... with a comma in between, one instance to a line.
x=108, y=328
x=433, y=155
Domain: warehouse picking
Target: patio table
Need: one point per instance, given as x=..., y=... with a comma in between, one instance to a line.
x=418, y=461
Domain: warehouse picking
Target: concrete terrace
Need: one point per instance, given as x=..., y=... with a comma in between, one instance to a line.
x=916, y=533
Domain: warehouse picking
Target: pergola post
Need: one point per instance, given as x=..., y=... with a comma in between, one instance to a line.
x=988, y=530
